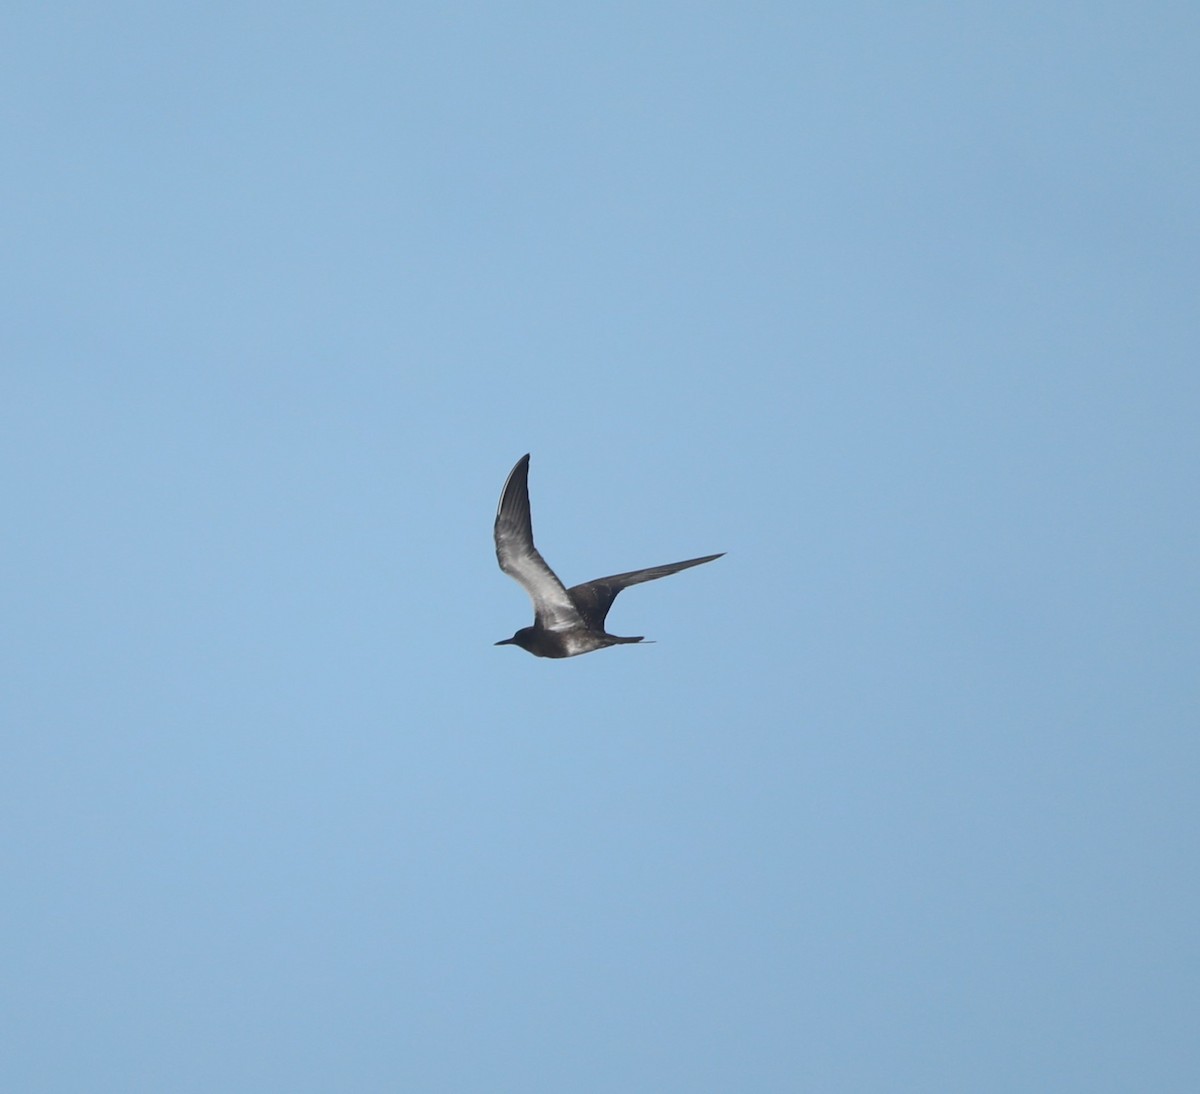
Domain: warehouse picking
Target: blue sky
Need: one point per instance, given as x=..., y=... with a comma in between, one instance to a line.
x=897, y=305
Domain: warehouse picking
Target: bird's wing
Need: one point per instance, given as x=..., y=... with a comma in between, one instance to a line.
x=519, y=558
x=594, y=598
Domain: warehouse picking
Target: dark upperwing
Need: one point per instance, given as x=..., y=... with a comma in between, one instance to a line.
x=592, y=599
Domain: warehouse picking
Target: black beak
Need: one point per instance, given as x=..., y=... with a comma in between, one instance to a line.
x=504, y=642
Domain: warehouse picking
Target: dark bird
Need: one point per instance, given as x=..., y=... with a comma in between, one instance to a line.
x=566, y=622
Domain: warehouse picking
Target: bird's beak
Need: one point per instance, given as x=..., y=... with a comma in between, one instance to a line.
x=504, y=642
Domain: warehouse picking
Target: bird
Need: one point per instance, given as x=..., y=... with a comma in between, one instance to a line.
x=567, y=622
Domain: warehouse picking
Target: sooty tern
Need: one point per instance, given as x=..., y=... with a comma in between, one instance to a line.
x=567, y=622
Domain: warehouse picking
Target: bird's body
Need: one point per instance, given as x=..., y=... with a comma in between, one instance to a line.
x=544, y=643
x=567, y=622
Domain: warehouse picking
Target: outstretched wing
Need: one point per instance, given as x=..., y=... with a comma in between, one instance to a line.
x=519, y=558
x=594, y=598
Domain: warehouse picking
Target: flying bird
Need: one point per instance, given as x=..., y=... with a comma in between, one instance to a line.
x=567, y=622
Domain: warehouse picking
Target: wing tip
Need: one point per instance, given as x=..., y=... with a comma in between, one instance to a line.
x=520, y=467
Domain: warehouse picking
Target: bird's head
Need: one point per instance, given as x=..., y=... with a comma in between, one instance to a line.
x=523, y=638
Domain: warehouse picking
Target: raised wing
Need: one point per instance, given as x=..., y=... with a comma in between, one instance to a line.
x=519, y=558
x=594, y=598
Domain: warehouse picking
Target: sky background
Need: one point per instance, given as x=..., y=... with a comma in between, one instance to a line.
x=895, y=304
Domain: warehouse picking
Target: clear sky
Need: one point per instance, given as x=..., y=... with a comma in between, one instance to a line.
x=896, y=304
